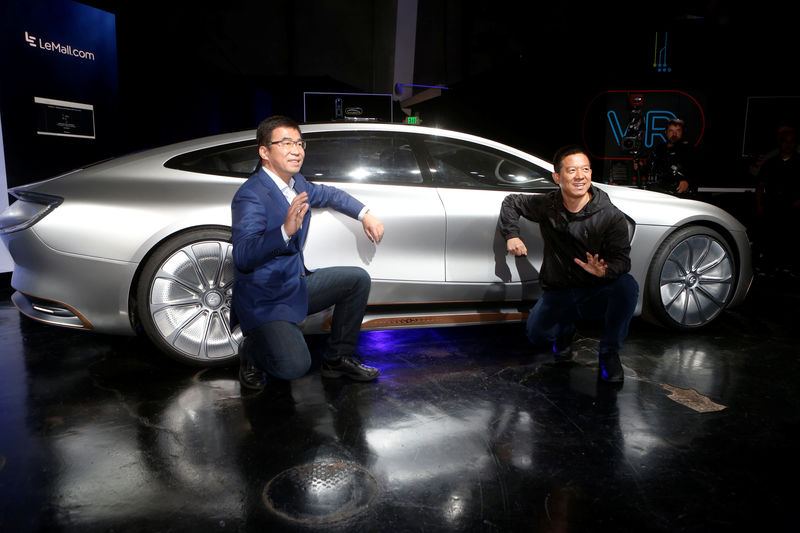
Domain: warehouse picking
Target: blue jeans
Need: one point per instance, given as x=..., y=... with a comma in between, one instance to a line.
x=279, y=347
x=554, y=315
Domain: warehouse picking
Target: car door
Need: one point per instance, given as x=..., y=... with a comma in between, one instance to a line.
x=472, y=182
x=381, y=170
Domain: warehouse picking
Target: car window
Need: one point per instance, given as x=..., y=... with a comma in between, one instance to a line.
x=237, y=159
x=367, y=158
x=468, y=165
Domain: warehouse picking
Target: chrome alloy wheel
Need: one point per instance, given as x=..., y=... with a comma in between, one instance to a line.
x=189, y=302
x=696, y=280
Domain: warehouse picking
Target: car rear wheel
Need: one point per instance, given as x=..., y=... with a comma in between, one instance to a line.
x=184, y=298
x=691, y=278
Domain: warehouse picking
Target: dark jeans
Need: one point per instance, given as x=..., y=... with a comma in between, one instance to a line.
x=556, y=312
x=279, y=347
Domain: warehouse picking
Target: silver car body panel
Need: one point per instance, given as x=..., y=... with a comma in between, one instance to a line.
x=335, y=239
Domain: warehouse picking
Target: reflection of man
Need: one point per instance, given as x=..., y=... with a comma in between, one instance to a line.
x=586, y=261
x=273, y=291
x=671, y=165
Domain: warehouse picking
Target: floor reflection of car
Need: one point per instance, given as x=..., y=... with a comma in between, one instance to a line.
x=142, y=242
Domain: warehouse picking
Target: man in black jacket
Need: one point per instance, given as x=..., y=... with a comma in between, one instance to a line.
x=586, y=261
x=672, y=166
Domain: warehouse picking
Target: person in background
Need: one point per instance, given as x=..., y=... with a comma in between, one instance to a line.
x=778, y=204
x=672, y=165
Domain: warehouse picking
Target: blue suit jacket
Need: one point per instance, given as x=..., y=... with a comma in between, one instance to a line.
x=269, y=274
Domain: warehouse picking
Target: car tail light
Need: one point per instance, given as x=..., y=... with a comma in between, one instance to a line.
x=29, y=208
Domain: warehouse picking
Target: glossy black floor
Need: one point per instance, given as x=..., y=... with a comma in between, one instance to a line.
x=465, y=431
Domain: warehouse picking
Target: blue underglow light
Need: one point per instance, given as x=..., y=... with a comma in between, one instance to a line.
x=391, y=340
x=385, y=349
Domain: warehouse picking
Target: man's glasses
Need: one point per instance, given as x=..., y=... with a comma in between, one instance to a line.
x=287, y=144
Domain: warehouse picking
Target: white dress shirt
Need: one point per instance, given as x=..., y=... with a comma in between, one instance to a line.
x=289, y=193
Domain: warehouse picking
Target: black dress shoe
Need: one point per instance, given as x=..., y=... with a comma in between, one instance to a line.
x=250, y=376
x=562, y=348
x=347, y=366
x=611, y=368
x=564, y=354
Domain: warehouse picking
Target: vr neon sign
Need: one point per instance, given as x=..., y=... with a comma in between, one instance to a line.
x=614, y=117
x=655, y=124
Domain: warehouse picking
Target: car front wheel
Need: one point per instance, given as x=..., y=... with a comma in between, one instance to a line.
x=184, y=298
x=691, y=278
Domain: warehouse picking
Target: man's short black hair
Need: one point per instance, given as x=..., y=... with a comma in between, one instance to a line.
x=785, y=132
x=264, y=132
x=676, y=122
x=566, y=151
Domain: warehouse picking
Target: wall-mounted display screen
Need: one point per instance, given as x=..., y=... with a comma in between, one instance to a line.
x=64, y=119
x=347, y=107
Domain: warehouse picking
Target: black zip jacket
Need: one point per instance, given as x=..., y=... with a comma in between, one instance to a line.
x=599, y=228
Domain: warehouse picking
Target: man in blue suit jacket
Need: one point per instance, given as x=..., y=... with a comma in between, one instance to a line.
x=273, y=291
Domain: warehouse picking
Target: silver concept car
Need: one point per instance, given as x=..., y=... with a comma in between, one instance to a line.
x=142, y=242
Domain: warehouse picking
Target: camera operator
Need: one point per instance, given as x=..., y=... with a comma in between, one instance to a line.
x=672, y=166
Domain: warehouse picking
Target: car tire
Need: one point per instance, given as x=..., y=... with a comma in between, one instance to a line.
x=691, y=278
x=183, y=298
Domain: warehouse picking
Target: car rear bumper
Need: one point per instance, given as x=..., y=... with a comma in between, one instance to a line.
x=67, y=289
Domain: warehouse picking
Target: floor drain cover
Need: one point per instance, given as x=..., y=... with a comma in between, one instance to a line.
x=320, y=493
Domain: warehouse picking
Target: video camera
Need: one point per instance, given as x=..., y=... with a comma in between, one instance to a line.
x=632, y=142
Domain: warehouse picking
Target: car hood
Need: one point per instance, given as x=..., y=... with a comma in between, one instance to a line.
x=654, y=208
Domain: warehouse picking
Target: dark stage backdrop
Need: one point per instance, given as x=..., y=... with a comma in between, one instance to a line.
x=59, y=98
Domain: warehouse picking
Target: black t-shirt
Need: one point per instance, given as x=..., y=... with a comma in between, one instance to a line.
x=667, y=166
x=781, y=182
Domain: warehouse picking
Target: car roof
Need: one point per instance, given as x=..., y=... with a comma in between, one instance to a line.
x=322, y=127
x=160, y=155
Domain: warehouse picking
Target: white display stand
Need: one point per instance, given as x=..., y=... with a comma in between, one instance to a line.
x=6, y=264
